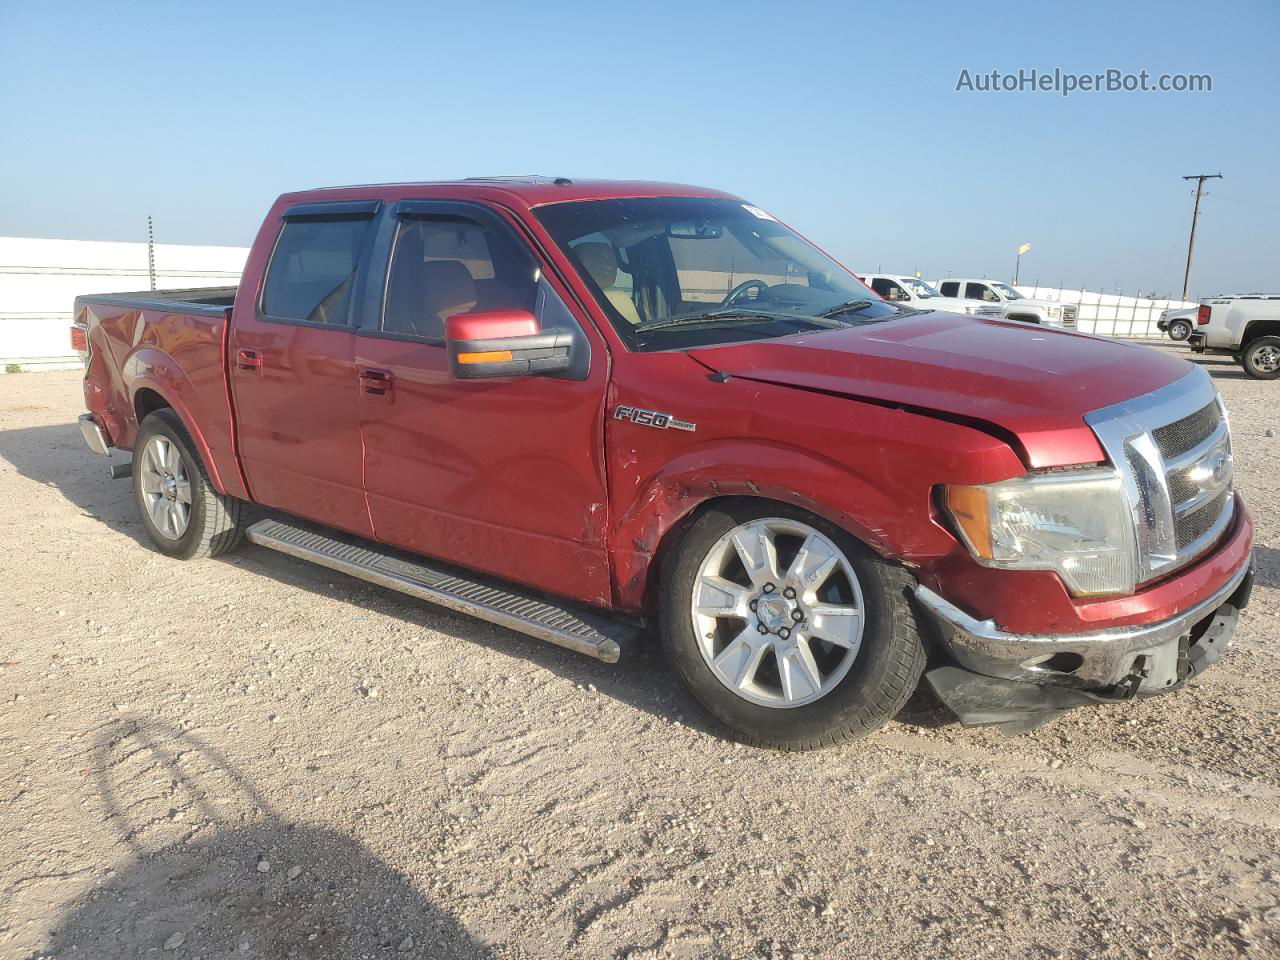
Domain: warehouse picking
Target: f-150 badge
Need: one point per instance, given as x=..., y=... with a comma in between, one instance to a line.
x=651, y=418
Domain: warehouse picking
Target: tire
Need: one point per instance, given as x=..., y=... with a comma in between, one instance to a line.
x=1261, y=358
x=861, y=685
x=1179, y=330
x=165, y=464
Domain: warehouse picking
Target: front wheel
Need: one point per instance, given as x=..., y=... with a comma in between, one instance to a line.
x=182, y=512
x=786, y=628
x=1261, y=358
x=1179, y=330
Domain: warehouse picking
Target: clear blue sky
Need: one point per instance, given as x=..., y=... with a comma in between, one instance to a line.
x=841, y=118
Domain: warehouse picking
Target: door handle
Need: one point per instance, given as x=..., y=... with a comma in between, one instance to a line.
x=376, y=383
x=249, y=360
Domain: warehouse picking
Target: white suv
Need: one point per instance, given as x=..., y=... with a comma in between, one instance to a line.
x=914, y=292
x=1012, y=304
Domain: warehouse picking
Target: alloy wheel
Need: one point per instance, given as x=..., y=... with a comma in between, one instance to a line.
x=778, y=612
x=166, y=488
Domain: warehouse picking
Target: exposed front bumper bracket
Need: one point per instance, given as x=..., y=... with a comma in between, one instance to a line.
x=1021, y=680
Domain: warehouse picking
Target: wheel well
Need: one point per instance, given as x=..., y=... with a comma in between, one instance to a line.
x=146, y=401
x=675, y=534
x=1024, y=317
x=1259, y=328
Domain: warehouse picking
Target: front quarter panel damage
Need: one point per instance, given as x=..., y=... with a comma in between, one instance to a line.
x=867, y=468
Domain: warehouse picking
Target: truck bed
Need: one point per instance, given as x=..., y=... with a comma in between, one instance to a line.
x=201, y=300
x=163, y=348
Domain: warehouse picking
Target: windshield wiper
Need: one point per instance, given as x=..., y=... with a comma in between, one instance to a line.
x=712, y=316
x=849, y=306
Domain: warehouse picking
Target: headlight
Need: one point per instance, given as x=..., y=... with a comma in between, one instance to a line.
x=1075, y=523
x=968, y=310
x=1053, y=311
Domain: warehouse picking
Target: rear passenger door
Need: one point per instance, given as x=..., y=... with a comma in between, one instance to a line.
x=292, y=368
x=502, y=475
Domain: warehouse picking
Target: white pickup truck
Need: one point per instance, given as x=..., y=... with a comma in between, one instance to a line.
x=914, y=292
x=1245, y=325
x=1012, y=304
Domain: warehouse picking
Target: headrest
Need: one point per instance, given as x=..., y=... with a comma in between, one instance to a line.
x=599, y=260
x=449, y=284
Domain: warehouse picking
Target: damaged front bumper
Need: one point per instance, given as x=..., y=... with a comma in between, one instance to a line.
x=1021, y=680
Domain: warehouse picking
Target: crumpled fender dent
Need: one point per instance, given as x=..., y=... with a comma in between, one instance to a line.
x=152, y=368
x=738, y=467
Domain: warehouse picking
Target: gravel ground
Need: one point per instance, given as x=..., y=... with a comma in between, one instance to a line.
x=255, y=757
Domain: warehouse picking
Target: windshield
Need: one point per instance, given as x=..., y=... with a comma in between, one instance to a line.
x=674, y=272
x=920, y=288
x=1008, y=291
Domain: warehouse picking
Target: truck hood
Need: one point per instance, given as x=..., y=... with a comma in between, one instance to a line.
x=1029, y=385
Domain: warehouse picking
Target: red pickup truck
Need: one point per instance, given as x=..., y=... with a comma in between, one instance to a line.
x=584, y=409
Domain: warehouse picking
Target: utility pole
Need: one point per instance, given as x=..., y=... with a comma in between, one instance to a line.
x=1199, y=178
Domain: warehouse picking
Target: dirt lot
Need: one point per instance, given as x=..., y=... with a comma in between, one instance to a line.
x=253, y=757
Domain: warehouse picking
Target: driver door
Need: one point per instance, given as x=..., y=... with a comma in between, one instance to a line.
x=503, y=475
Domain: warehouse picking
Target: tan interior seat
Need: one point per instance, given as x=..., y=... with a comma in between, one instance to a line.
x=601, y=263
x=449, y=291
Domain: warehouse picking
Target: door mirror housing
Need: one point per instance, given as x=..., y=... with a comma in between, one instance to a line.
x=504, y=343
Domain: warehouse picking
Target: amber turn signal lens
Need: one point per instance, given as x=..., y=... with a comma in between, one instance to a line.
x=490, y=356
x=970, y=507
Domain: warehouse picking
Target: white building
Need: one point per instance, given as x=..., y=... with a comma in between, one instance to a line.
x=40, y=279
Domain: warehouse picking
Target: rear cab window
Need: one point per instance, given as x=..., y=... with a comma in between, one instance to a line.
x=313, y=270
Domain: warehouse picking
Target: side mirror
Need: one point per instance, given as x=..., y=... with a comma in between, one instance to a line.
x=503, y=343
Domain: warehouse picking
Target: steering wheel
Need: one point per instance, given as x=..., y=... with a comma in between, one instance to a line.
x=733, y=295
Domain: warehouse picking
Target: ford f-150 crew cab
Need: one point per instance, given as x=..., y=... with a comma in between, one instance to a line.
x=583, y=409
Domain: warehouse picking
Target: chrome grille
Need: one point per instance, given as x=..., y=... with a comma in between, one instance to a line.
x=1173, y=449
x=1195, y=525
x=1189, y=432
x=1069, y=311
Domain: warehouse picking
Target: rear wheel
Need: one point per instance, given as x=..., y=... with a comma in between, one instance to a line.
x=1261, y=358
x=786, y=628
x=182, y=512
x=1179, y=330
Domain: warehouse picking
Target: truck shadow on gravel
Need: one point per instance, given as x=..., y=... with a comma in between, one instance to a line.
x=56, y=456
x=243, y=882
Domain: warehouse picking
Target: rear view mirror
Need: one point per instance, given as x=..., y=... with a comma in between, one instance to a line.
x=503, y=343
x=695, y=230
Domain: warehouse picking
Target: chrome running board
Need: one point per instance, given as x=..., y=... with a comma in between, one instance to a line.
x=594, y=634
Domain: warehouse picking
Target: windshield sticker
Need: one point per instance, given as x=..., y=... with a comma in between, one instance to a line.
x=758, y=213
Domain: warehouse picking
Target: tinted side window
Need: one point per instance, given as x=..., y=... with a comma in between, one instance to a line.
x=950, y=289
x=441, y=267
x=313, y=270
x=975, y=291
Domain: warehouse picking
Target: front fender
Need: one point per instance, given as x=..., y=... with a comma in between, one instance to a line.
x=751, y=467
